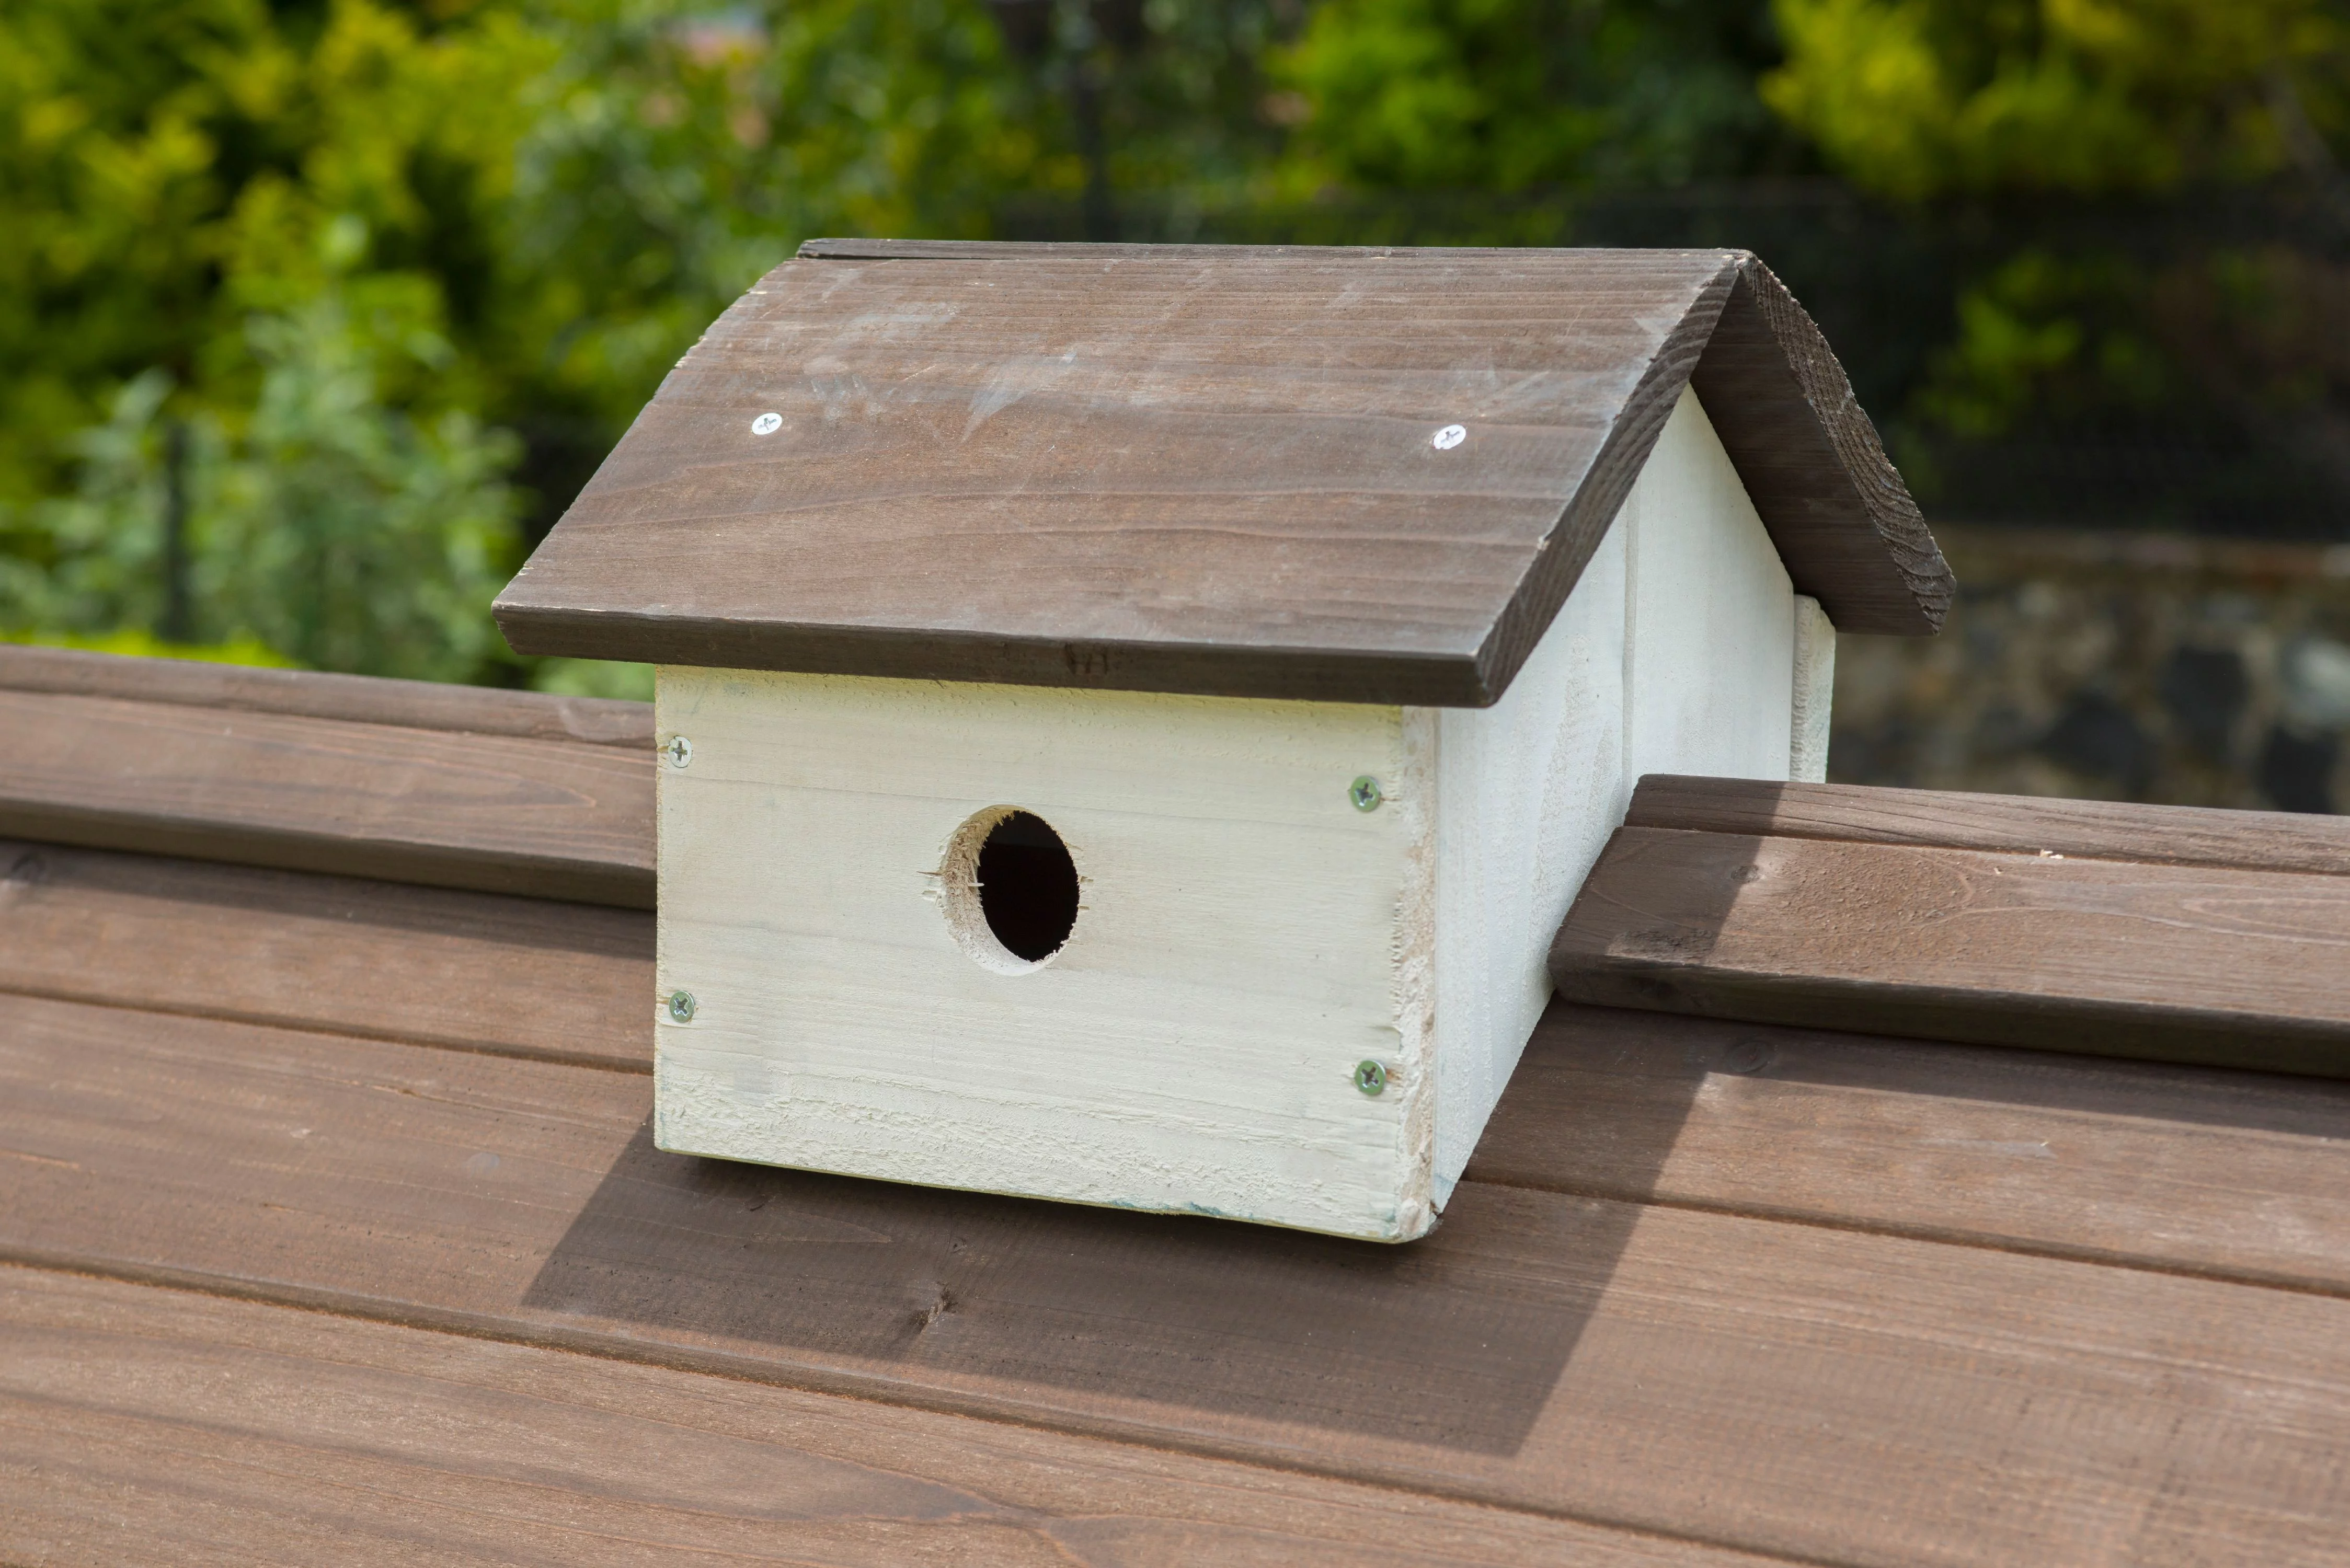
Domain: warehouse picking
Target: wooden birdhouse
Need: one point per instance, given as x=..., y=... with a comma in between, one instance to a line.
x=1133, y=718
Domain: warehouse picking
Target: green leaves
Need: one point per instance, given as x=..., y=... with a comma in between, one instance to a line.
x=1916, y=98
x=329, y=528
x=1508, y=94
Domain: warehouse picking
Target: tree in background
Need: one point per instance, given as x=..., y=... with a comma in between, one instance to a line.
x=317, y=311
x=343, y=244
x=242, y=285
x=1512, y=95
x=2117, y=297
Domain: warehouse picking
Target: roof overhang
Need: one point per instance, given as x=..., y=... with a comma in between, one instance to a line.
x=1201, y=469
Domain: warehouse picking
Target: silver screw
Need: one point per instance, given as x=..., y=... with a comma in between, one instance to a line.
x=681, y=1009
x=768, y=424
x=680, y=750
x=1449, y=437
x=1371, y=1077
x=1365, y=793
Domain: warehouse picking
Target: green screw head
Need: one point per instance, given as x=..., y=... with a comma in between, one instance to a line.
x=1371, y=1077
x=680, y=1006
x=1365, y=793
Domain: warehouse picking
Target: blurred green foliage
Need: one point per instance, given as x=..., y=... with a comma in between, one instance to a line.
x=1921, y=98
x=313, y=312
x=1506, y=95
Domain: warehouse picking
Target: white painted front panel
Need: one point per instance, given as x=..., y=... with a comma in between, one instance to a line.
x=1245, y=936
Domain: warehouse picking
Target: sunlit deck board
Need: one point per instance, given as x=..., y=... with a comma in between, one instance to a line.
x=335, y=1228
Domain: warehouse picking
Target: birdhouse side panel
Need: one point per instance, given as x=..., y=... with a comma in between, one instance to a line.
x=1676, y=653
x=1234, y=1022
x=1528, y=792
x=1711, y=615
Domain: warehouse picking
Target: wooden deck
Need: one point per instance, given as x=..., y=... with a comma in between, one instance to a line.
x=330, y=1232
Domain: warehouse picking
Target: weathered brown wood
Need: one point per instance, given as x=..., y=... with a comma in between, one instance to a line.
x=2243, y=1175
x=1811, y=462
x=494, y=813
x=2171, y=963
x=1845, y=1396
x=1190, y=469
x=143, y=1426
x=472, y=971
x=362, y=698
x=2090, y=829
x=2226, y=1173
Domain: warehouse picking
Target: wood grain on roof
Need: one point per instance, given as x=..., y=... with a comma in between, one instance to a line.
x=1199, y=468
x=301, y=1267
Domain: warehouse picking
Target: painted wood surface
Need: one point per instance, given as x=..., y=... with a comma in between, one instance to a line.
x=2183, y=1170
x=1807, y=759
x=143, y=1426
x=472, y=971
x=1845, y=1396
x=2233, y=1176
x=2092, y=829
x=1709, y=616
x=362, y=698
x=502, y=814
x=1709, y=1287
x=1674, y=651
x=1222, y=473
x=1812, y=461
x=2198, y=964
x=1246, y=937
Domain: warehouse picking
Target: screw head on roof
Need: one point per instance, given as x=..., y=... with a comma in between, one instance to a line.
x=1449, y=437
x=1365, y=793
x=1371, y=1077
x=680, y=750
x=680, y=1006
x=768, y=424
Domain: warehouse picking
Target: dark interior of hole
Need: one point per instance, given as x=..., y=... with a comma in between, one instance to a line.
x=1027, y=886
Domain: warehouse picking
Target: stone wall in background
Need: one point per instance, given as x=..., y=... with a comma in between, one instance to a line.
x=2113, y=666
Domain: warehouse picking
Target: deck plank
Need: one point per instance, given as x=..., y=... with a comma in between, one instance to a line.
x=2243, y=1175
x=1948, y=819
x=501, y=814
x=1812, y=1391
x=2195, y=964
x=362, y=699
x=2237, y=1175
x=437, y=966
x=140, y=1426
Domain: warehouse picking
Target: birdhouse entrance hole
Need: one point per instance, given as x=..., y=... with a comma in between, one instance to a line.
x=1012, y=889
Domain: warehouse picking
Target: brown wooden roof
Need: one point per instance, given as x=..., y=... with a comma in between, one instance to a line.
x=331, y=1231
x=1200, y=468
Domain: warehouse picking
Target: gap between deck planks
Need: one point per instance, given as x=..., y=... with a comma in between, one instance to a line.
x=1844, y=1397
x=145, y=1424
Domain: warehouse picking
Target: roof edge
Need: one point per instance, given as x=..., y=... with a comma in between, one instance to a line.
x=1589, y=512
x=1848, y=528
x=1433, y=678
